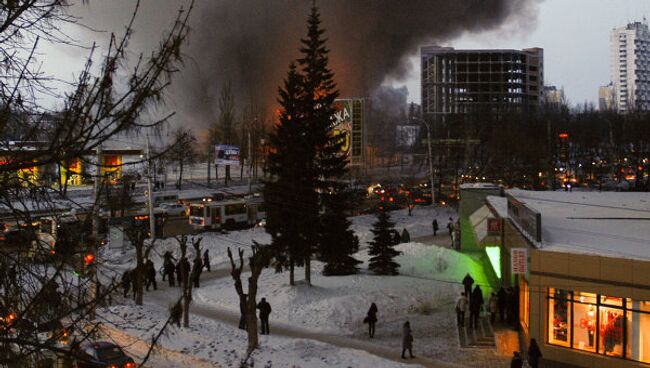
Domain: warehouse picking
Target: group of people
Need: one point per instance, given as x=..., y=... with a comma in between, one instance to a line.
x=174, y=271
x=534, y=356
x=452, y=227
x=265, y=312
x=407, y=335
x=504, y=302
x=128, y=280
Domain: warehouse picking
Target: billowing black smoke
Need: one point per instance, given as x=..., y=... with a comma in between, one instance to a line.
x=251, y=42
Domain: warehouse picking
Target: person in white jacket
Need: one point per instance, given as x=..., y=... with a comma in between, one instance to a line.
x=461, y=307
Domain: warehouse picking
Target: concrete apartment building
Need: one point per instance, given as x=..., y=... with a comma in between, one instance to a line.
x=630, y=66
x=606, y=98
x=462, y=81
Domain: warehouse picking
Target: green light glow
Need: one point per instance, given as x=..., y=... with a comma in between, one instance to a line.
x=494, y=255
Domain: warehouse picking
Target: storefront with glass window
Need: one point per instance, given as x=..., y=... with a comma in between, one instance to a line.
x=585, y=296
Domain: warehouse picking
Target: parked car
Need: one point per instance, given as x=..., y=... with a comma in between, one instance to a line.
x=173, y=209
x=103, y=354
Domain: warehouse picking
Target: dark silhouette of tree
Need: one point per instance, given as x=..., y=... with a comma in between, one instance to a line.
x=381, y=247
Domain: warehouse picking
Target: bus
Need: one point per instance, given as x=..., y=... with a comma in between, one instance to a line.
x=228, y=214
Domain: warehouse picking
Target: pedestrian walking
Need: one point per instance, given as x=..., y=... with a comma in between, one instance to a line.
x=265, y=311
x=406, y=237
x=434, y=224
x=468, y=281
x=126, y=282
x=492, y=304
x=534, y=354
x=407, y=340
x=371, y=319
x=516, y=360
x=197, y=267
x=206, y=259
x=475, y=305
x=450, y=227
x=461, y=307
x=501, y=303
x=169, y=268
x=150, y=273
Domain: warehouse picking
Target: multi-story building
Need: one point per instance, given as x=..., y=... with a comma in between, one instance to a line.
x=553, y=96
x=606, y=97
x=630, y=66
x=463, y=81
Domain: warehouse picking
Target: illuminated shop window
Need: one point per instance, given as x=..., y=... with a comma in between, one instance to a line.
x=613, y=326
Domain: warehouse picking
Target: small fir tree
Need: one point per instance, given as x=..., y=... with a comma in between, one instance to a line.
x=337, y=243
x=381, y=248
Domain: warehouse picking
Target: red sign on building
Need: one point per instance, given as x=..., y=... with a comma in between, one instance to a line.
x=493, y=226
x=518, y=260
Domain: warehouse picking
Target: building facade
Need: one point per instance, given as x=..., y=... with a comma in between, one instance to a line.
x=584, y=278
x=630, y=66
x=464, y=81
x=606, y=98
x=553, y=96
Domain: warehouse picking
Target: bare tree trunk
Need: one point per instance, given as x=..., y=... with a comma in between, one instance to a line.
x=292, y=279
x=308, y=269
x=180, y=175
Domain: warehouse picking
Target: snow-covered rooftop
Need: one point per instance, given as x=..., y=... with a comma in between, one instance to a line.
x=614, y=224
x=500, y=204
x=479, y=186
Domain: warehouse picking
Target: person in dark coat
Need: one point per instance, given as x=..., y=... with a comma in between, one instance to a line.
x=396, y=238
x=406, y=237
x=150, y=273
x=501, y=303
x=407, y=340
x=435, y=226
x=265, y=311
x=516, y=360
x=468, y=281
x=197, y=267
x=206, y=259
x=371, y=318
x=168, y=267
x=475, y=305
x=534, y=354
x=126, y=282
x=450, y=227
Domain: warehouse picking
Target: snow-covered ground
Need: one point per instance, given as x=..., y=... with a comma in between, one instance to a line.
x=214, y=344
x=423, y=293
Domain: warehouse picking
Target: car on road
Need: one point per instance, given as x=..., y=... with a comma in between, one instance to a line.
x=103, y=354
x=173, y=209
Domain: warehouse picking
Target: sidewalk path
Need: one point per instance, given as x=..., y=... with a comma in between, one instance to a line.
x=163, y=297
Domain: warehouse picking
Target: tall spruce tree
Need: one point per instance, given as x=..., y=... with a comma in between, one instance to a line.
x=381, y=248
x=289, y=194
x=329, y=163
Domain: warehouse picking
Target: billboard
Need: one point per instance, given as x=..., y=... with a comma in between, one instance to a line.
x=407, y=135
x=518, y=261
x=528, y=220
x=226, y=155
x=349, y=123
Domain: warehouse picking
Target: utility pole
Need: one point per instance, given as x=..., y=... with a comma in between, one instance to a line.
x=248, y=158
x=92, y=292
x=209, y=165
x=152, y=220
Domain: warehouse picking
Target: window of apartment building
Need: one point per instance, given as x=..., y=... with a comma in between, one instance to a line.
x=612, y=326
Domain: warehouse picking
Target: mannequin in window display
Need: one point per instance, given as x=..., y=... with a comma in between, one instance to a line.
x=589, y=322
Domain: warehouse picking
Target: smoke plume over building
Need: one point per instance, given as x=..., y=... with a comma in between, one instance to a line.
x=251, y=42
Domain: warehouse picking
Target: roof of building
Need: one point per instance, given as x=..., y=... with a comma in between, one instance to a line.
x=479, y=186
x=615, y=224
